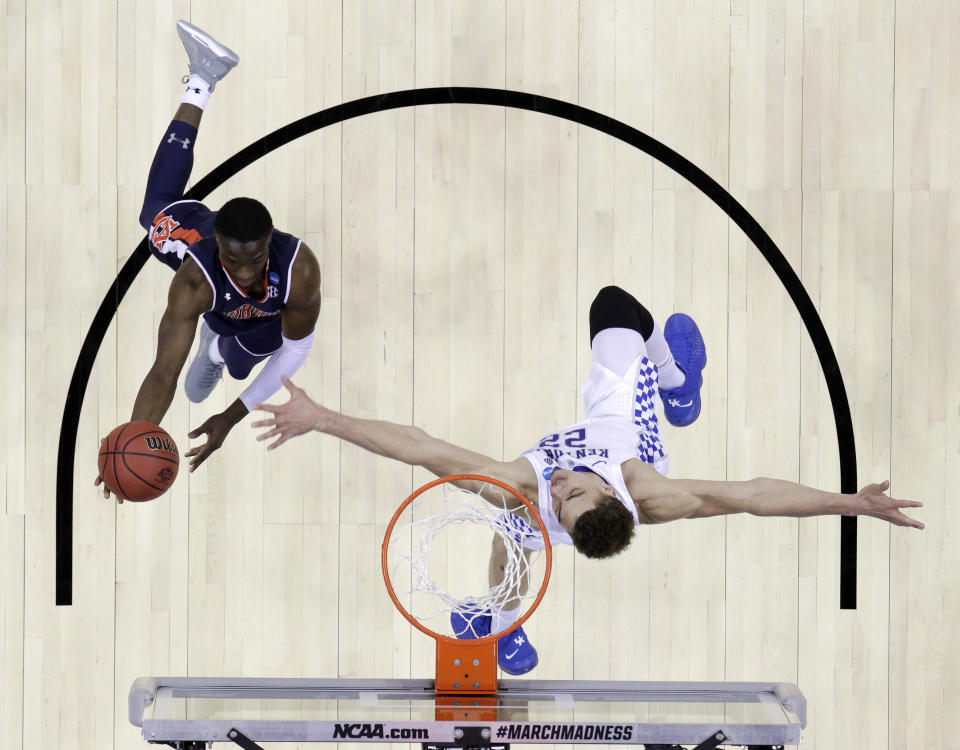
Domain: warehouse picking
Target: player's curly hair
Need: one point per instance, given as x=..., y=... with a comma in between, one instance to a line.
x=604, y=531
x=243, y=219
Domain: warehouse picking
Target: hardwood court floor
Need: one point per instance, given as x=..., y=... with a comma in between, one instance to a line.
x=461, y=247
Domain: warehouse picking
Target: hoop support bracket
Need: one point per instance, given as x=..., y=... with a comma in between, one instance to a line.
x=466, y=667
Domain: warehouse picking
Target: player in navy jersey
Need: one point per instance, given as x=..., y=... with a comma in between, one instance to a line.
x=593, y=481
x=256, y=289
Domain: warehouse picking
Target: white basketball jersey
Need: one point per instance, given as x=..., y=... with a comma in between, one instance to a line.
x=621, y=425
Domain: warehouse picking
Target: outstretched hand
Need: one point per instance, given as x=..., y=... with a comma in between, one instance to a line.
x=299, y=415
x=872, y=501
x=216, y=429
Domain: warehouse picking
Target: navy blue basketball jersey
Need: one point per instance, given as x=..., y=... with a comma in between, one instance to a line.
x=234, y=313
x=177, y=227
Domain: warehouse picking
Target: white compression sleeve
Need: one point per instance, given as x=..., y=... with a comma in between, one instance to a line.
x=616, y=348
x=285, y=361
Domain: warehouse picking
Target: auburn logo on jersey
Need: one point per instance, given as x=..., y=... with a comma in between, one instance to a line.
x=163, y=227
x=247, y=311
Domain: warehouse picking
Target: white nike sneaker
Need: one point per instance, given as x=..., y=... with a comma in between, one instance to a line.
x=203, y=373
x=208, y=58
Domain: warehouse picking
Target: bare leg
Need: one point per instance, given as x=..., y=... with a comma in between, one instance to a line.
x=190, y=114
x=498, y=568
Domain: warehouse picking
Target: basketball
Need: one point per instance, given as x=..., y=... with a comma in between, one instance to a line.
x=138, y=461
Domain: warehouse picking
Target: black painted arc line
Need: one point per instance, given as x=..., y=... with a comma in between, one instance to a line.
x=494, y=97
x=71, y=418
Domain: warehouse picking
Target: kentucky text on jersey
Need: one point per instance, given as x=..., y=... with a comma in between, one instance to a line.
x=556, y=454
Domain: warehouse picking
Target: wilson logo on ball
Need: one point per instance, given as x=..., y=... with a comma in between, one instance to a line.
x=159, y=444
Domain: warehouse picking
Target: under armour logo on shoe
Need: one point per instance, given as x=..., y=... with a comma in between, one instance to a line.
x=676, y=403
x=185, y=141
x=193, y=89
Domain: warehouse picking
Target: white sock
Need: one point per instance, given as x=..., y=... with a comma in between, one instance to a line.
x=669, y=375
x=214, y=351
x=197, y=93
x=503, y=619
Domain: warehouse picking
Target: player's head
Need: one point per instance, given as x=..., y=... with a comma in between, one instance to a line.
x=243, y=228
x=588, y=508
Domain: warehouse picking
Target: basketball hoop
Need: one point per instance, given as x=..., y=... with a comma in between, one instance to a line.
x=462, y=506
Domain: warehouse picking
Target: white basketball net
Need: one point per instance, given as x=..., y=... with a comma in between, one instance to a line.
x=438, y=557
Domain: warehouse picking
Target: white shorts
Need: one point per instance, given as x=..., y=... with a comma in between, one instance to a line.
x=631, y=396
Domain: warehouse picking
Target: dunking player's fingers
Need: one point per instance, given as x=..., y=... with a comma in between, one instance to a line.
x=106, y=492
x=268, y=408
x=197, y=449
x=201, y=430
x=199, y=454
x=264, y=423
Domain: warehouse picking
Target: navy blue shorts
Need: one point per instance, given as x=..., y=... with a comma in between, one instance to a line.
x=243, y=351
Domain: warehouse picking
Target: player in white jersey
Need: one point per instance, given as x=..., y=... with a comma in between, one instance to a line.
x=619, y=399
x=595, y=480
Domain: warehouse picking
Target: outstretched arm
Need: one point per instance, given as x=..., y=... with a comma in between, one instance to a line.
x=659, y=499
x=406, y=443
x=188, y=298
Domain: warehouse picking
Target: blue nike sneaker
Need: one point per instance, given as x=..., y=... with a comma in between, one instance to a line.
x=515, y=654
x=681, y=406
x=470, y=624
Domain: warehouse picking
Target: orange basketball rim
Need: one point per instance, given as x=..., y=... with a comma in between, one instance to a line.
x=466, y=666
